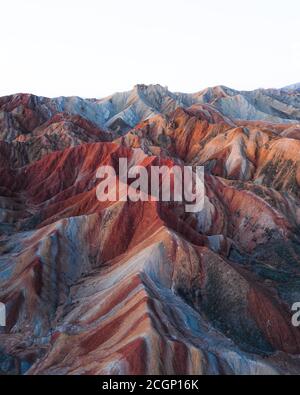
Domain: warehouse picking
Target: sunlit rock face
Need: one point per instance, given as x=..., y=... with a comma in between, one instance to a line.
x=127, y=287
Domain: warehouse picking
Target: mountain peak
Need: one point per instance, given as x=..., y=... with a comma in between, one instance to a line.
x=151, y=88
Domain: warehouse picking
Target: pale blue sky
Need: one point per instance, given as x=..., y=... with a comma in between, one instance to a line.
x=92, y=48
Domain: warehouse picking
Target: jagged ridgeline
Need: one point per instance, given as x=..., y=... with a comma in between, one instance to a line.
x=128, y=287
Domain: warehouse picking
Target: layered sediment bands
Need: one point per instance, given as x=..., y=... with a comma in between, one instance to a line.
x=126, y=319
x=201, y=136
x=122, y=287
x=60, y=132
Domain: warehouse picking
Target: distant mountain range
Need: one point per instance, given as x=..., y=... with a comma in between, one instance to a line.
x=122, y=111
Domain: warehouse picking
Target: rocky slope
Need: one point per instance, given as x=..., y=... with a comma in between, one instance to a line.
x=121, y=287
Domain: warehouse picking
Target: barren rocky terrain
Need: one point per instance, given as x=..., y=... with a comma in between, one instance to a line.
x=127, y=287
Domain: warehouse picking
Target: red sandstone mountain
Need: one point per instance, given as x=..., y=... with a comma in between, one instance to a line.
x=124, y=287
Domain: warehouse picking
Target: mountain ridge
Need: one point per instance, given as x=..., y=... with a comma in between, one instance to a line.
x=127, y=109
